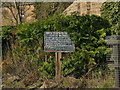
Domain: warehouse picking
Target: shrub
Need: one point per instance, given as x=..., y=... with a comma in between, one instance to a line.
x=88, y=34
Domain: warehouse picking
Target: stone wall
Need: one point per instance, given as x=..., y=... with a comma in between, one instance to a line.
x=95, y=8
x=83, y=7
x=80, y=7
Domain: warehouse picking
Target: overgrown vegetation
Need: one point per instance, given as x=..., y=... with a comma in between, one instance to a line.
x=88, y=32
x=24, y=56
x=111, y=12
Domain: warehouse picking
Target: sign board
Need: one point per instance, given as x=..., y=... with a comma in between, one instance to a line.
x=58, y=42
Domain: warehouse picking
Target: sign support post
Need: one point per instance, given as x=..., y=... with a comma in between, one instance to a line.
x=58, y=56
x=58, y=42
x=56, y=65
x=59, y=64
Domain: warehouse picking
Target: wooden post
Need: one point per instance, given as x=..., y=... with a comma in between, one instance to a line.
x=45, y=57
x=56, y=66
x=59, y=64
x=58, y=56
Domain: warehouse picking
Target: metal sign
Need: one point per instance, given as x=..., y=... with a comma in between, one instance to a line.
x=58, y=42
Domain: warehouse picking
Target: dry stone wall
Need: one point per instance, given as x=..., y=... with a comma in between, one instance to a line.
x=83, y=7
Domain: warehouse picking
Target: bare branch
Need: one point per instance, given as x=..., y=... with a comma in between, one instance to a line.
x=12, y=13
x=18, y=13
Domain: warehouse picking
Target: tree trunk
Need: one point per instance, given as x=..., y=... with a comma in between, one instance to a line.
x=18, y=13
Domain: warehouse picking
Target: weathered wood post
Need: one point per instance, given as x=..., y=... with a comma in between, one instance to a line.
x=58, y=42
x=0, y=56
x=56, y=65
x=59, y=64
x=114, y=61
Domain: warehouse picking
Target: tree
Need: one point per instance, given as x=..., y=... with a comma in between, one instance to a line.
x=44, y=9
x=17, y=11
x=111, y=12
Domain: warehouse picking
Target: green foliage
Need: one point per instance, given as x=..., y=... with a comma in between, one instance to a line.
x=87, y=33
x=6, y=32
x=111, y=12
x=47, y=68
x=6, y=38
x=67, y=66
x=66, y=83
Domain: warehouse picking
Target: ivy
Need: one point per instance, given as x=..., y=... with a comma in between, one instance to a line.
x=87, y=33
x=111, y=12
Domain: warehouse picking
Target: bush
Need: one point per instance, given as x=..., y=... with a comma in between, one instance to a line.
x=111, y=12
x=88, y=34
